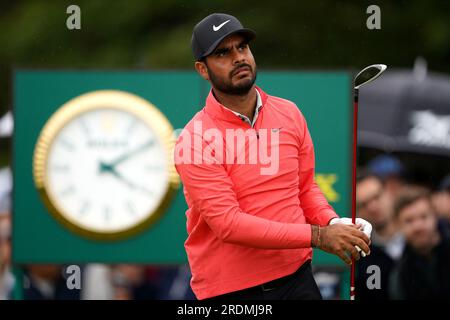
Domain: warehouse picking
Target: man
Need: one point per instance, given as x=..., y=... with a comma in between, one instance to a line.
x=374, y=205
x=441, y=201
x=424, y=269
x=252, y=218
x=47, y=282
x=391, y=172
x=7, y=280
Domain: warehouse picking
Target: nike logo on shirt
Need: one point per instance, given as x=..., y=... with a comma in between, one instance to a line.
x=220, y=25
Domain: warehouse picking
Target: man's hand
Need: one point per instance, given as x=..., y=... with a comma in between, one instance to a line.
x=362, y=225
x=366, y=227
x=340, y=239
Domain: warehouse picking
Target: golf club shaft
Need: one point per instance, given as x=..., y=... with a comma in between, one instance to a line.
x=355, y=139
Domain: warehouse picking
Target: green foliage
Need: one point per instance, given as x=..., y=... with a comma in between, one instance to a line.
x=155, y=34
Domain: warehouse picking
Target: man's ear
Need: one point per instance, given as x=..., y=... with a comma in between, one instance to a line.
x=202, y=69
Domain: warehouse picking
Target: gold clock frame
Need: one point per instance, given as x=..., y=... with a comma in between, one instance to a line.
x=104, y=99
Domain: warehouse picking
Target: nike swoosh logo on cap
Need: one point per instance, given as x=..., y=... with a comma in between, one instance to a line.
x=220, y=25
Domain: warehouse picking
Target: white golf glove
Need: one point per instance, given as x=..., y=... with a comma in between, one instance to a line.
x=366, y=227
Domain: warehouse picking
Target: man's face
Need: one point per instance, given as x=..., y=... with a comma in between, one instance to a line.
x=231, y=67
x=418, y=223
x=441, y=203
x=369, y=204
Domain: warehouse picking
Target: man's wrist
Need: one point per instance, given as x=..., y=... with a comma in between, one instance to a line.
x=315, y=236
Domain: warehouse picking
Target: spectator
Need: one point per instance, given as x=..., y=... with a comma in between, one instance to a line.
x=131, y=282
x=7, y=280
x=424, y=269
x=46, y=282
x=441, y=200
x=6, y=277
x=391, y=172
x=5, y=189
x=387, y=243
x=174, y=283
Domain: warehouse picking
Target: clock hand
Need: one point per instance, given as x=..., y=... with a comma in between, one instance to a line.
x=131, y=153
x=104, y=167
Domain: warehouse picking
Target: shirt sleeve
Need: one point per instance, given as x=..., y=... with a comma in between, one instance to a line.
x=314, y=204
x=211, y=192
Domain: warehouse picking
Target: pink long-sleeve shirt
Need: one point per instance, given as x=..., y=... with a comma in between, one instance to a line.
x=248, y=221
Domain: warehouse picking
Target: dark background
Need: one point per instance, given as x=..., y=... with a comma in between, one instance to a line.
x=156, y=34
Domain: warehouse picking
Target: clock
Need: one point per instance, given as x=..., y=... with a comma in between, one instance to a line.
x=103, y=164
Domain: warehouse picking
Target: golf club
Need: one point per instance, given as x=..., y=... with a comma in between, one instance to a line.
x=366, y=75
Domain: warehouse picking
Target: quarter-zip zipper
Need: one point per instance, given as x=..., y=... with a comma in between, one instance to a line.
x=258, y=119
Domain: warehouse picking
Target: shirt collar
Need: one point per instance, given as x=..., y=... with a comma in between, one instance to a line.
x=217, y=110
x=255, y=115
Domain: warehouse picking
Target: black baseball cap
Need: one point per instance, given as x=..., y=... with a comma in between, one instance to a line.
x=209, y=32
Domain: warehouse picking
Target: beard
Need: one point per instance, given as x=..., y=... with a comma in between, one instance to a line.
x=226, y=85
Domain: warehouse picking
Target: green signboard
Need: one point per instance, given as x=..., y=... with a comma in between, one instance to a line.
x=39, y=237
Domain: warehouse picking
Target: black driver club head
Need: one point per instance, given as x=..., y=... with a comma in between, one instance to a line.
x=368, y=74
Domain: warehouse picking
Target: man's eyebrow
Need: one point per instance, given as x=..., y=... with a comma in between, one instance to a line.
x=222, y=49
x=227, y=48
x=243, y=42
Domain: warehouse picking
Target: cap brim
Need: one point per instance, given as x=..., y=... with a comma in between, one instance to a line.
x=248, y=33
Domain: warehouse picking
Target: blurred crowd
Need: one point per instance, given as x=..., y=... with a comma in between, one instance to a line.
x=410, y=238
x=410, y=248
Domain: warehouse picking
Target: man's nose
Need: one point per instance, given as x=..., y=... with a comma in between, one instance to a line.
x=417, y=225
x=238, y=56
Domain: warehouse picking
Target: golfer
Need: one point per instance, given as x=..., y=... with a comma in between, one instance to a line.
x=253, y=217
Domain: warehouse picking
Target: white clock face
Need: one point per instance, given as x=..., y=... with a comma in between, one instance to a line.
x=106, y=170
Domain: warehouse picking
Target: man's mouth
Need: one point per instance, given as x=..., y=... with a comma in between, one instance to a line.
x=241, y=70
